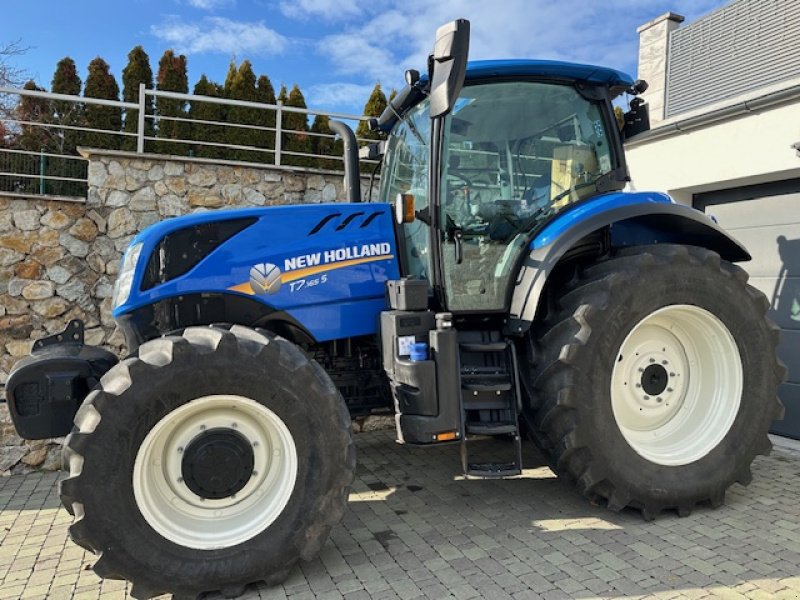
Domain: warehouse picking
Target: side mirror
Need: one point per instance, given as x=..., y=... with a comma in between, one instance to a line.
x=637, y=119
x=447, y=66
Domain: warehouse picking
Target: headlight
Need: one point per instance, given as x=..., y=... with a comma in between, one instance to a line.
x=122, y=288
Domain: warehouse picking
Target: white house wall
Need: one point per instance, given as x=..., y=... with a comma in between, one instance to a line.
x=750, y=149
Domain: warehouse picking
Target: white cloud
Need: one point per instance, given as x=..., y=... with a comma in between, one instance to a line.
x=218, y=35
x=210, y=4
x=338, y=94
x=355, y=54
x=389, y=36
x=329, y=9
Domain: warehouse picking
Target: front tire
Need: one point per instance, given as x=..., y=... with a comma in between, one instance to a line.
x=208, y=461
x=653, y=381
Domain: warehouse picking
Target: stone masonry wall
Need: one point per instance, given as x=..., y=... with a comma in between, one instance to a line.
x=58, y=259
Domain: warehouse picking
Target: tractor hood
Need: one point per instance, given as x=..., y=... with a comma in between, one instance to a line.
x=324, y=265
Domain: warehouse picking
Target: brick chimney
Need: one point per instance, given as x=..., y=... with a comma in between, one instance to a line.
x=653, y=53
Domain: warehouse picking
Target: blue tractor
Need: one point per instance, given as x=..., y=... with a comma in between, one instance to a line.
x=504, y=286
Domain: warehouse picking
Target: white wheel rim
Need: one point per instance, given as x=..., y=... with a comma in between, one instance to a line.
x=183, y=517
x=691, y=415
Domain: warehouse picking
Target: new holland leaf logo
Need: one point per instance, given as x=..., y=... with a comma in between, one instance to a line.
x=266, y=278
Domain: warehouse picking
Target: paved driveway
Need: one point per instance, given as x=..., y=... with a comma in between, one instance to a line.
x=415, y=528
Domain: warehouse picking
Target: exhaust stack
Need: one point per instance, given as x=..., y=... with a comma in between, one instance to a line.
x=352, y=177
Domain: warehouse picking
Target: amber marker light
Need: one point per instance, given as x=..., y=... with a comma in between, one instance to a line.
x=404, y=208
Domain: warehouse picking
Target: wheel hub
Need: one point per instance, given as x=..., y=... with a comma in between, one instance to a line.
x=215, y=471
x=676, y=384
x=650, y=378
x=218, y=463
x=654, y=380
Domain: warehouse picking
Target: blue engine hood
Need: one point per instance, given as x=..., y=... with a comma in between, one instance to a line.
x=327, y=264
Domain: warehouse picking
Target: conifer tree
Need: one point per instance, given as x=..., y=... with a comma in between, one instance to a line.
x=243, y=87
x=295, y=126
x=172, y=77
x=322, y=145
x=207, y=111
x=35, y=110
x=136, y=72
x=69, y=114
x=283, y=95
x=100, y=83
x=66, y=114
x=619, y=115
x=373, y=108
x=32, y=138
x=265, y=93
x=392, y=94
x=229, y=77
x=264, y=90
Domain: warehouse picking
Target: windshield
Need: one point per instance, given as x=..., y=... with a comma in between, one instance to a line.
x=406, y=171
x=521, y=148
x=515, y=153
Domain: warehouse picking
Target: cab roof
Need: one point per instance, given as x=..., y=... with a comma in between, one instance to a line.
x=480, y=69
x=615, y=81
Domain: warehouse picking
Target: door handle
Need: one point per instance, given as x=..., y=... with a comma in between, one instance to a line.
x=458, y=237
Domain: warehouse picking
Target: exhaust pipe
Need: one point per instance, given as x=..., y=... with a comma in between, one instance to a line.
x=352, y=177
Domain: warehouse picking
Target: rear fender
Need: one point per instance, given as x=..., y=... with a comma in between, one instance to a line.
x=631, y=225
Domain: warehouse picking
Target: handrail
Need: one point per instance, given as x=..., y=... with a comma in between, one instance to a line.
x=147, y=121
x=66, y=97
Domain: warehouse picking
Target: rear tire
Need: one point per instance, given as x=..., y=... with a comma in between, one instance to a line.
x=653, y=382
x=147, y=487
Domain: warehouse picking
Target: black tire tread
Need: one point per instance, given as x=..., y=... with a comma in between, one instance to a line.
x=556, y=426
x=159, y=354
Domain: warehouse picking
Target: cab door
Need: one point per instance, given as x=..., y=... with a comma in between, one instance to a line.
x=513, y=154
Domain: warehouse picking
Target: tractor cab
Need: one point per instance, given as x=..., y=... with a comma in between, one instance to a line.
x=523, y=141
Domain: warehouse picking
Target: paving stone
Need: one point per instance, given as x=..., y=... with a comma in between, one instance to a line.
x=527, y=538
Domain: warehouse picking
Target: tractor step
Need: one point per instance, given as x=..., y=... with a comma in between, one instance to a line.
x=472, y=385
x=490, y=406
x=488, y=464
x=483, y=346
x=491, y=428
x=490, y=470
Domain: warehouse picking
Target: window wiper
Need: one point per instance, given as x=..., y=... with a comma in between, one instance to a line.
x=415, y=131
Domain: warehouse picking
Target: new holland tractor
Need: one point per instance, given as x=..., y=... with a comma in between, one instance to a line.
x=504, y=286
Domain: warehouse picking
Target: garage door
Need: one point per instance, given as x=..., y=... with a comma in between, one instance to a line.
x=769, y=227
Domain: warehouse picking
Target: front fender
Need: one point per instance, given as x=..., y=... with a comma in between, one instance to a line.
x=653, y=221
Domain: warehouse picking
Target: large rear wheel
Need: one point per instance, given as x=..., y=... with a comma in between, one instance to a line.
x=207, y=462
x=653, y=382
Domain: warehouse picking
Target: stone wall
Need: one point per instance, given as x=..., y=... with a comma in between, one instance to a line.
x=58, y=259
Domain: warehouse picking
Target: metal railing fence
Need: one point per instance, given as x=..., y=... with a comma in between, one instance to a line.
x=38, y=153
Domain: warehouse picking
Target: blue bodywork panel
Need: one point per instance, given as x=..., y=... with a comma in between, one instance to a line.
x=332, y=261
x=589, y=209
x=480, y=69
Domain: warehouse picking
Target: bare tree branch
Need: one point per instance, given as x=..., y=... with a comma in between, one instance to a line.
x=10, y=74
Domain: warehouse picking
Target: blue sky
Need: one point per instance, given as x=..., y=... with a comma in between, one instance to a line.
x=334, y=49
